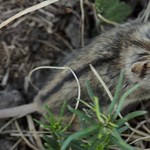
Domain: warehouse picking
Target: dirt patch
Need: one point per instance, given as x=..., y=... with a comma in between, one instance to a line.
x=40, y=38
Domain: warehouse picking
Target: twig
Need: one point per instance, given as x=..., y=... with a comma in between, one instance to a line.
x=106, y=20
x=24, y=138
x=26, y=11
x=62, y=68
x=140, y=139
x=7, y=124
x=16, y=144
x=35, y=134
x=135, y=130
x=145, y=14
x=82, y=22
x=102, y=82
x=69, y=46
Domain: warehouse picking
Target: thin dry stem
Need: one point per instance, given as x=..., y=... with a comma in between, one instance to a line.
x=16, y=144
x=62, y=68
x=24, y=138
x=102, y=82
x=145, y=14
x=106, y=20
x=82, y=22
x=26, y=11
x=7, y=124
x=135, y=130
x=35, y=134
x=140, y=139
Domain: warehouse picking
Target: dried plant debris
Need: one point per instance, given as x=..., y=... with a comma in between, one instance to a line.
x=40, y=38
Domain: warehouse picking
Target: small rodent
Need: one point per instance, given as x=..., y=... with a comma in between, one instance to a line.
x=125, y=47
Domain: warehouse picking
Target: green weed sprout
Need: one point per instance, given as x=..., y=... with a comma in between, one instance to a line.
x=99, y=130
x=113, y=10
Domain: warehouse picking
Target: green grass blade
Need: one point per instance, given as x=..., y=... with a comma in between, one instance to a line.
x=90, y=106
x=117, y=92
x=77, y=146
x=116, y=138
x=122, y=99
x=97, y=109
x=130, y=116
x=63, y=109
x=49, y=116
x=79, y=134
x=82, y=115
x=40, y=123
x=89, y=89
x=98, y=143
x=51, y=143
x=122, y=129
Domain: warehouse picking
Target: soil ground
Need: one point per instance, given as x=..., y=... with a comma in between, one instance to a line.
x=43, y=37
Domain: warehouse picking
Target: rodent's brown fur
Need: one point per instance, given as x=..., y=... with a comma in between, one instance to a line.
x=126, y=47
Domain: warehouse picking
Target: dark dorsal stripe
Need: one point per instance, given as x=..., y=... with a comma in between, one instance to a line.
x=69, y=77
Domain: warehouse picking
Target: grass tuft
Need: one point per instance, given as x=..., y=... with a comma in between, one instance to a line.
x=98, y=130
